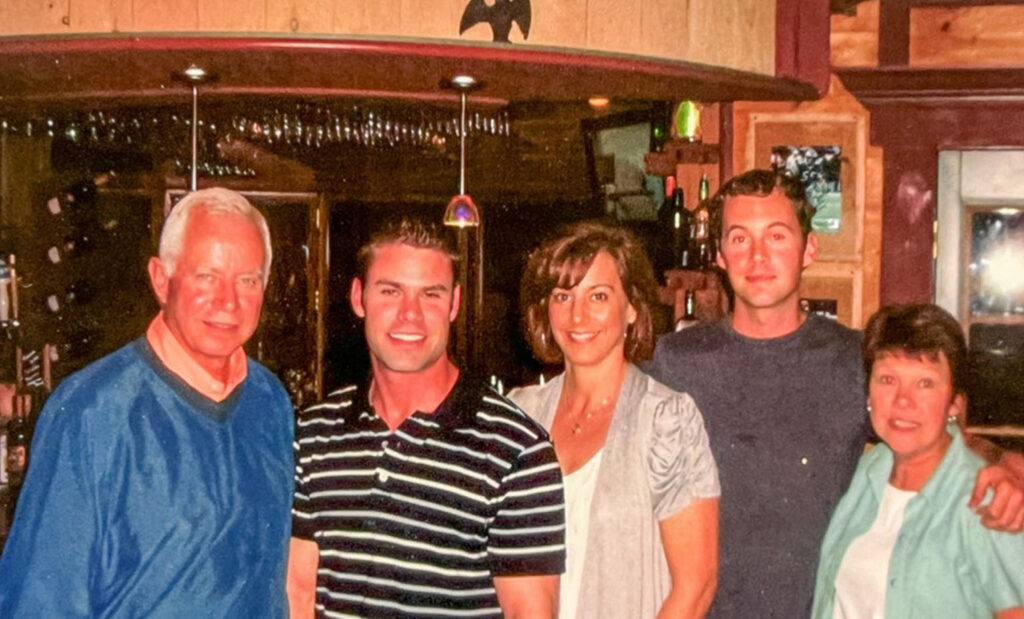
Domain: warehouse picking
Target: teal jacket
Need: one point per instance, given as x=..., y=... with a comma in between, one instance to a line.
x=945, y=563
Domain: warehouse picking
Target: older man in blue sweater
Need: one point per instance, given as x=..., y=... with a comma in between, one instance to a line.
x=161, y=478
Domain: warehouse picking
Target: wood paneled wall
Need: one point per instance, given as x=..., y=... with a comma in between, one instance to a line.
x=738, y=34
x=975, y=36
x=978, y=36
x=854, y=38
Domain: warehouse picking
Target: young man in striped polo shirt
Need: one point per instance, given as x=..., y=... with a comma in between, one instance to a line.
x=423, y=492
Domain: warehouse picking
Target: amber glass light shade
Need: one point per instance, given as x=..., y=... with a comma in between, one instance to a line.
x=461, y=212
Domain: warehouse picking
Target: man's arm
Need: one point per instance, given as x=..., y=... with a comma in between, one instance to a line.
x=1005, y=477
x=524, y=597
x=303, y=560
x=690, y=539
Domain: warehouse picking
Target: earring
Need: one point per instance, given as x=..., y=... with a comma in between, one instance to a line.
x=951, y=419
x=868, y=407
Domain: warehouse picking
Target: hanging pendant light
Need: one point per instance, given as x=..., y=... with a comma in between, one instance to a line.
x=194, y=75
x=461, y=211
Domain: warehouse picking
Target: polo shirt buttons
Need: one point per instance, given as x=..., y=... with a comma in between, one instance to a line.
x=383, y=476
x=384, y=444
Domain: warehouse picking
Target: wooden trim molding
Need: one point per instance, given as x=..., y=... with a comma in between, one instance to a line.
x=904, y=84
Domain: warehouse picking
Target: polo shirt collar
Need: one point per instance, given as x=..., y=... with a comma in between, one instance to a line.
x=462, y=400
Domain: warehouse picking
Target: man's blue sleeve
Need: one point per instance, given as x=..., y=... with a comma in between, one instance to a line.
x=45, y=569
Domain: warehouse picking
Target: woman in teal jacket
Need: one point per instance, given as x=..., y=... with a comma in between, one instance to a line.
x=902, y=542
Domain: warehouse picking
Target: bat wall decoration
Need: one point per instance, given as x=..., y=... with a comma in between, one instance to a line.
x=500, y=14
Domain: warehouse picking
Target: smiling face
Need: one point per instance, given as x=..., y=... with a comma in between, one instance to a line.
x=763, y=251
x=589, y=320
x=408, y=301
x=911, y=398
x=212, y=301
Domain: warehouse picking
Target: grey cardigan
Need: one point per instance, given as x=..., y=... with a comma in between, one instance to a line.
x=656, y=461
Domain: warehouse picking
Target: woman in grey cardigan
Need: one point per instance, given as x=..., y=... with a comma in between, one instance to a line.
x=641, y=484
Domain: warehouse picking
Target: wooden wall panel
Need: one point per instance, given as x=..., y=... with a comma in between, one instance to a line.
x=300, y=16
x=613, y=26
x=565, y=20
x=854, y=38
x=100, y=16
x=383, y=17
x=664, y=28
x=165, y=15
x=972, y=36
x=349, y=16
x=737, y=34
x=33, y=16
x=232, y=15
x=433, y=18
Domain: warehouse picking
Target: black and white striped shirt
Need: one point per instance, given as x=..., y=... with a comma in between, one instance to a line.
x=418, y=521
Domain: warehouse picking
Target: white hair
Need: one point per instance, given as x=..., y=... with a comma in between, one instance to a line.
x=212, y=200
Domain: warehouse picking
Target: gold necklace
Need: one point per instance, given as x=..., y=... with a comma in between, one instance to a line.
x=577, y=423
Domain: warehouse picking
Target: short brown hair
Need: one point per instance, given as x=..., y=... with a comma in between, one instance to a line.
x=761, y=183
x=917, y=330
x=564, y=261
x=407, y=231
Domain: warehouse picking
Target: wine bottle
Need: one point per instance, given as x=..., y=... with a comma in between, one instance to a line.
x=73, y=199
x=71, y=247
x=78, y=292
x=689, y=317
x=701, y=247
x=18, y=440
x=705, y=188
x=680, y=222
x=6, y=282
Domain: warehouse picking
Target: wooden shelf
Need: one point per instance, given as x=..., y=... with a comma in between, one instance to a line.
x=678, y=152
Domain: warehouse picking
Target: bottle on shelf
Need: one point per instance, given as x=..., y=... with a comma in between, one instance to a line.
x=9, y=295
x=680, y=222
x=74, y=198
x=18, y=439
x=71, y=247
x=702, y=245
x=689, y=317
x=686, y=121
x=78, y=292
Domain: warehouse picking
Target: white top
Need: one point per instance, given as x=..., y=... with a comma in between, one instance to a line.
x=579, y=493
x=862, y=580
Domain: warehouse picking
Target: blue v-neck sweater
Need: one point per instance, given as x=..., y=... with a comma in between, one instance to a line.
x=145, y=498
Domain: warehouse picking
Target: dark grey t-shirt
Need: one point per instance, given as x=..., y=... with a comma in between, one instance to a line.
x=786, y=419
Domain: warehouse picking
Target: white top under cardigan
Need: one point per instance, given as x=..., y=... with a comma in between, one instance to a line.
x=579, y=493
x=655, y=461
